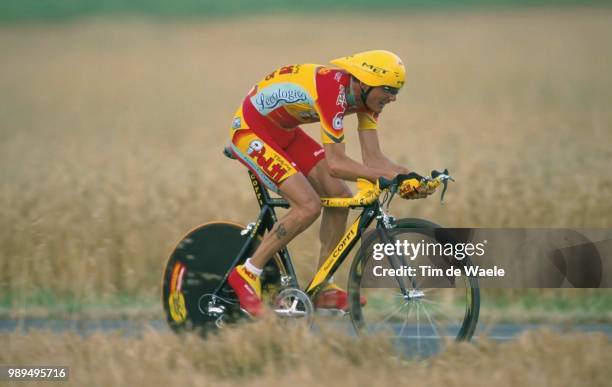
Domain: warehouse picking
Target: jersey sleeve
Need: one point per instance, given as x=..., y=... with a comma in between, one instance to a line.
x=331, y=104
x=367, y=120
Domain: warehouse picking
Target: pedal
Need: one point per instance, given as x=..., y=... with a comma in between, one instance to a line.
x=216, y=307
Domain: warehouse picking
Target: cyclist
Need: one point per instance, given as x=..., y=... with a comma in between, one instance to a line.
x=266, y=137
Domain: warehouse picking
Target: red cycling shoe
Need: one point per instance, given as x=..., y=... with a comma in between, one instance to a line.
x=331, y=296
x=248, y=289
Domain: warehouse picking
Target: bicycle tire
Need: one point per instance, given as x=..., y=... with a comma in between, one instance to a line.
x=195, y=267
x=458, y=325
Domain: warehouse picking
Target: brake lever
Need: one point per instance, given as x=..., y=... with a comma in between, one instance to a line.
x=444, y=178
x=444, y=187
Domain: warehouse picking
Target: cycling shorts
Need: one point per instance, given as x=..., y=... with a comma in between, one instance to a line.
x=272, y=153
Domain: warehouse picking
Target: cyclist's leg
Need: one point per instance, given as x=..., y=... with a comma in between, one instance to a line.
x=310, y=158
x=333, y=220
x=305, y=209
x=275, y=168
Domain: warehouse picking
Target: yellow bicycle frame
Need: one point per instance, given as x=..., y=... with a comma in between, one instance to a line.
x=332, y=259
x=367, y=194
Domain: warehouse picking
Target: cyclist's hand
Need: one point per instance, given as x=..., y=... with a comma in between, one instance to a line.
x=411, y=189
x=416, y=189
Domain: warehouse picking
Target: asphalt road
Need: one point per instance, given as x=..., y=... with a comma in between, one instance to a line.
x=499, y=332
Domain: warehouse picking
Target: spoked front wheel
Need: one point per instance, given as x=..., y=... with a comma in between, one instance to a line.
x=419, y=314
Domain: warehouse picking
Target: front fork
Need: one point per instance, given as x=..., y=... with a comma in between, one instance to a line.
x=386, y=223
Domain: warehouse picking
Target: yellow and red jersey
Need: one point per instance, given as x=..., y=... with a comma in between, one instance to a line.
x=304, y=93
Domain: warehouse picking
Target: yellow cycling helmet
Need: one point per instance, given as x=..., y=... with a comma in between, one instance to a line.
x=375, y=68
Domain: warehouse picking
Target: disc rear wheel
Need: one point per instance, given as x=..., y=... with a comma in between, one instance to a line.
x=194, y=271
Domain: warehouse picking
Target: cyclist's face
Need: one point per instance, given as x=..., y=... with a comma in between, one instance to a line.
x=378, y=98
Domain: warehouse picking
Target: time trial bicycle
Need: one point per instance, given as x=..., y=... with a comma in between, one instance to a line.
x=196, y=295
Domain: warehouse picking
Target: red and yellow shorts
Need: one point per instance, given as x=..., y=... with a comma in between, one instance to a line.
x=269, y=151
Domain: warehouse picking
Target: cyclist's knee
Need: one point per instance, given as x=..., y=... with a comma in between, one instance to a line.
x=339, y=190
x=344, y=192
x=308, y=211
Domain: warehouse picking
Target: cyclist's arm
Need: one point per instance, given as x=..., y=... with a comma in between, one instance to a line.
x=372, y=154
x=343, y=167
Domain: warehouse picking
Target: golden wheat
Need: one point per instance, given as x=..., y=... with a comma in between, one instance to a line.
x=111, y=131
x=264, y=353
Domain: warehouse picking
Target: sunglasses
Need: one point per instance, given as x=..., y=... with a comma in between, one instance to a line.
x=390, y=90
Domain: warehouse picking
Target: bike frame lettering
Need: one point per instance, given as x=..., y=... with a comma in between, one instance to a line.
x=333, y=261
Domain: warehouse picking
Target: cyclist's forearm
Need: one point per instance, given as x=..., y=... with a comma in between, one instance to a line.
x=349, y=169
x=382, y=162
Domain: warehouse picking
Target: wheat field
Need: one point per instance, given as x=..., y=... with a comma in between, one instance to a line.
x=110, y=149
x=267, y=353
x=111, y=130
